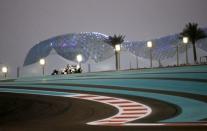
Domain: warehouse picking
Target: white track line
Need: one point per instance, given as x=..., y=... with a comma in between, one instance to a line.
x=168, y=124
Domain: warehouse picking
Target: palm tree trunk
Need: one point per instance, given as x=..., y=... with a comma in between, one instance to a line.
x=116, y=60
x=119, y=63
x=194, y=53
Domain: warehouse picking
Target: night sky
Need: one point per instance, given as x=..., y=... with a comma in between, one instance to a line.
x=23, y=23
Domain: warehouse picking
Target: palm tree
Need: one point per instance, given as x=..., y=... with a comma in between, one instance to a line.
x=194, y=34
x=113, y=41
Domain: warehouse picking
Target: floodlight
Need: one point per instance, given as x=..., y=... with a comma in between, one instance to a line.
x=185, y=40
x=42, y=62
x=79, y=58
x=117, y=47
x=149, y=44
x=4, y=69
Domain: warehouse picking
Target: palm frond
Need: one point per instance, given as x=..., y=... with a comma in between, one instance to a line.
x=113, y=40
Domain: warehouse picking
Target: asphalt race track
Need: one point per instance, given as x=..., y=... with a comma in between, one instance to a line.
x=146, y=99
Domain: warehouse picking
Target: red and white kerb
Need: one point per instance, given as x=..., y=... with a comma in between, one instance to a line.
x=127, y=110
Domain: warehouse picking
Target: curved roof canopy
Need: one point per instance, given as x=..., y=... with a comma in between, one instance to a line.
x=95, y=46
x=68, y=46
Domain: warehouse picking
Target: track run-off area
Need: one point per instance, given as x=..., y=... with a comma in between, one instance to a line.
x=171, y=98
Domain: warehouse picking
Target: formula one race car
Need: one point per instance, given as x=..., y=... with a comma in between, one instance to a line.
x=70, y=69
